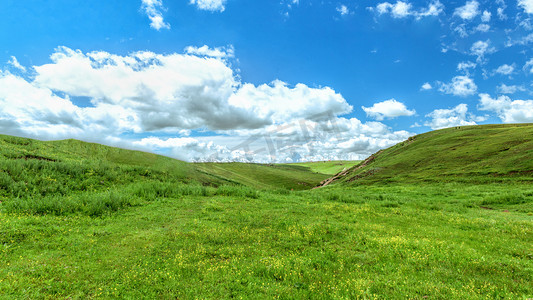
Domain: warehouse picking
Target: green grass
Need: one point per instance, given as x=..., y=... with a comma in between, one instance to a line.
x=84, y=221
x=384, y=242
x=328, y=167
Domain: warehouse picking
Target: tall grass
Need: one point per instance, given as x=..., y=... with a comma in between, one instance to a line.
x=98, y=203
x=90, y=204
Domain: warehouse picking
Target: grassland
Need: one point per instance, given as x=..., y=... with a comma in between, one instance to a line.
x=85, y=221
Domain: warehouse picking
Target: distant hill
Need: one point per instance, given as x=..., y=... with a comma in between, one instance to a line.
x=331, y=167
x=29, y=167
x=484, y=154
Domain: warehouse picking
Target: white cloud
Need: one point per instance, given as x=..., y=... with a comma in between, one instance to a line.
x=483, y=27
x=465, y=66
x=485, y=17
x=279, y=103
x=461, y=30
x=403, y=9
x=153, y=8
x=343, y=10
x=210, y=5
x=460, y=86
x=304, y=140
x=182, y=91
x=426, y=86
x=435, y=8
x=15, y=63
x=468, y=11
x=171, y=95
x=526, y=24
x=527, y=5
x=192, y=149
x=500, y=10
x=509, y=111
x=505, y=69
x=457, y=116
x=34, y=111
x=219, y=52
x=524, y=40
x=509, y=89
x=400, y=9
x=480, y=49
x=529, y=66
x=501, y=14
x=389, y=109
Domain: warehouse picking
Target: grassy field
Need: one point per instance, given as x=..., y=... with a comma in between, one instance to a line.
x=84, y=221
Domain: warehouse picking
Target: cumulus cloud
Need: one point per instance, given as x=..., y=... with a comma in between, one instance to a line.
x=509, y=111
x=457, y=116
x=192, y=149
x=210, y=5
x=523, y=40
x=505, y=69
x=403, y=9
x=426, y=86
x=37, y=112
x=485, y=17
x=400, y=9
x=460, y=86
x=465, y=66
x=178, y=91
x=510, y=89
x=280, y=103
x=343, y=10
x=501, y=13
x=171, y=95
x=482, y=28
x=469, y=11
x=527, y=5
x=501, y=10
x=153, y=8
x=480, y=49
x=389, y=109
x=304, y=140
x=219, y=52
x=528, y=67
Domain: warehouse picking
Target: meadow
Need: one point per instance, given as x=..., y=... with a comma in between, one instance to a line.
x=85, y=221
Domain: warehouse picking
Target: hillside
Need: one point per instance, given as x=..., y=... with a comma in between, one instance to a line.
x=486, y=153
x=265, y=176
x=29, y=167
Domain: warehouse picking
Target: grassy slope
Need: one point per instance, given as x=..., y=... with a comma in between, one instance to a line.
x=488, y=153
x=136, y=225
x=264, y=176
x=114, y=166
x=327, y=167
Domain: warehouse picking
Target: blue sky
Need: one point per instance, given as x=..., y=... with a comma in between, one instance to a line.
x=280, y=81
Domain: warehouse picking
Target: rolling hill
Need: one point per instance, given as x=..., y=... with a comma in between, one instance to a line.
x=477, y=154
x=30, y=166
